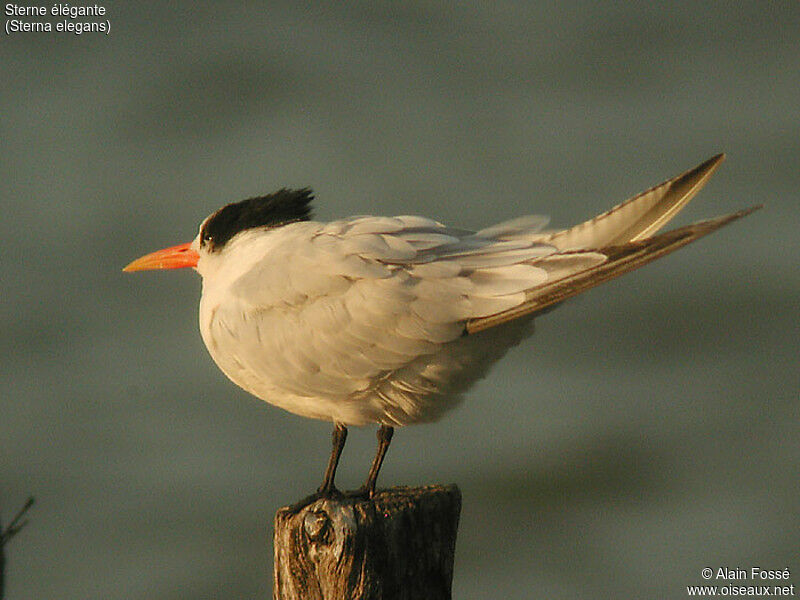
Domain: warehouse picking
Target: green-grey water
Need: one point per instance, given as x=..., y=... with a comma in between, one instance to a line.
x=648, y=430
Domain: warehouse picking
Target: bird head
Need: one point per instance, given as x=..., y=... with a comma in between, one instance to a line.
x=217, y=230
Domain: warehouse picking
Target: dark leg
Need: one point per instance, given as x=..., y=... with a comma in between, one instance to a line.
x=385, y=434
x=339, y=437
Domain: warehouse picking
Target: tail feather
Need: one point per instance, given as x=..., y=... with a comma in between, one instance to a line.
x=620, y=258
x=639, y=217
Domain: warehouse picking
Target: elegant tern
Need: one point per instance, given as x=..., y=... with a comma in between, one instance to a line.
x=389, y=320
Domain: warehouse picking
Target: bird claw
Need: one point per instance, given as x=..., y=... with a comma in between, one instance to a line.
x=327, y=493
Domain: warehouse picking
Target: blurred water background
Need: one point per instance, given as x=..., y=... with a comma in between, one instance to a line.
x=648, y=430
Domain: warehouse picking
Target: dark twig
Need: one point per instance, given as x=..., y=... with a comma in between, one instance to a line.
x=16, y=525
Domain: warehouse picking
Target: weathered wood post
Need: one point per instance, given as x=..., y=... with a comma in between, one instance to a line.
x=397, y=546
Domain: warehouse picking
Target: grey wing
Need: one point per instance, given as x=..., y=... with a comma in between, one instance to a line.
x=640, y=216
x=615, y=242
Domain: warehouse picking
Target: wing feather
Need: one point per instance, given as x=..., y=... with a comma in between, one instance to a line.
x=639, y=217
x=619, y=260
x=522, y=227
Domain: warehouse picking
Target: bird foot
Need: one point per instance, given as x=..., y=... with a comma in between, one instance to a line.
x=327, y=493
x=366, y=492
x=330, y=493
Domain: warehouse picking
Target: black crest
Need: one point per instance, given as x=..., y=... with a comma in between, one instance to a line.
x=280, y=208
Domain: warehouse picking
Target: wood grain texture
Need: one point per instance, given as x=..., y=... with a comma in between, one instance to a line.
x=397, y=546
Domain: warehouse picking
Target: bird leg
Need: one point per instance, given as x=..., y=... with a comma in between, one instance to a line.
x=385, y=433
x=339, y=437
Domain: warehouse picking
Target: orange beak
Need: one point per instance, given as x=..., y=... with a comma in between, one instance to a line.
x=175, y=257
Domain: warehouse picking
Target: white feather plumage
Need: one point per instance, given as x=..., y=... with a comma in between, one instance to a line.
x=364, y=320
x=360, y=320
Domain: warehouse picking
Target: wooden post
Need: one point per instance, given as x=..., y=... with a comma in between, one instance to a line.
x=397, y=546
